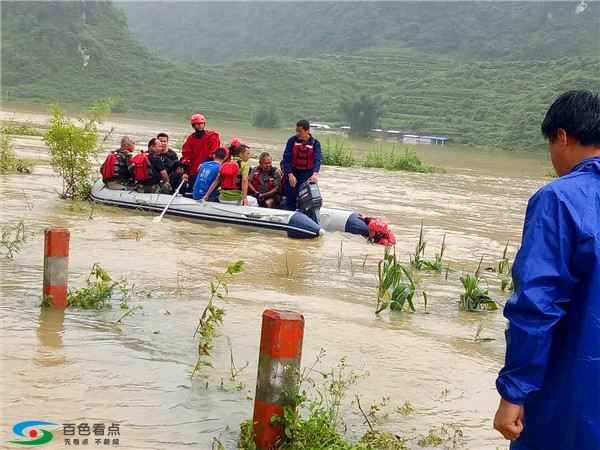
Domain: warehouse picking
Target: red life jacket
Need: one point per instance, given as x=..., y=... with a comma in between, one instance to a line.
x=110, y=167
x=231, y=175
x=256, y=179
x=142, y=169
x=302, y=155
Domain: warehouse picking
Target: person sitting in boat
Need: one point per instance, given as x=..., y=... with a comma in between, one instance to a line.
x=280, y=199
x=207, y=174
x=198, y=145
x=265, y=181
x=167, y=154
x=115, y=169
x=177, y=177
x=149, y=172
x=379, y=232
x=233, y=178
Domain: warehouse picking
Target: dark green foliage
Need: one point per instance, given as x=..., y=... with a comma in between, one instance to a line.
x=361, y=113
x=462, y=30
x=266, y=118
x=484, y=103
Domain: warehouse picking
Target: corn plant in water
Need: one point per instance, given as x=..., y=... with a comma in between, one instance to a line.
x=418, y=258
x=437, y=264
x=212, y=316
x=396, y=285
x=475, y=298
x=504, y=271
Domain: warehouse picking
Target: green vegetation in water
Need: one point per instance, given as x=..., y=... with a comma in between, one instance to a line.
x=481, y=327
x=212, y=317
x=405, y=409
x=387, y=156
x=13, y=236
x=21, y=130
x=474, y=298
x=417, y=259
x=337, y=151
x=72, y=147
x=549, y=172
x=100, y=293
x=396, y=285
x=431, y=440
x=436, y=265
x=504, y=271
x=320, y=427
x=9, y=161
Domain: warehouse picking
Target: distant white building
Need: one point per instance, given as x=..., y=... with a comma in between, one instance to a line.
x=320, y=126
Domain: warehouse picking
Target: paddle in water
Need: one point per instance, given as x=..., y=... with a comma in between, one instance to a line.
x=159, y=218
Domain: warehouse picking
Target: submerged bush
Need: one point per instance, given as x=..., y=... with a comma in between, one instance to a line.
x=337, y=151
x=407, y=159
x=21, y=130
x=73, y=147
x=266, y=118
x=9, y=161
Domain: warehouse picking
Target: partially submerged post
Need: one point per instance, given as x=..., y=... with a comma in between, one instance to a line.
x=278, y=372
x=56, y=265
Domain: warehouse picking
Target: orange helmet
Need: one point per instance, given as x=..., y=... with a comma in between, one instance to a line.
x=378, y=225
x=197, y=118
x=237, y=141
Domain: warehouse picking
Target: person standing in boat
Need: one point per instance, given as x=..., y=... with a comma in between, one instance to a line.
x=301, y=162
x=167, y=155
x=115, y=169
x=207, y=174
x=265, y=181
x=198, y=146
x=233, y=178
x=149, y=172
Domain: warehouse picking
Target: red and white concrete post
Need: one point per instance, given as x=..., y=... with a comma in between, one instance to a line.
x=56, y=265
x=278, y=372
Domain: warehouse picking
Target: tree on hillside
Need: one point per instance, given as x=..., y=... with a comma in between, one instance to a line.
x=362, y=113
x=266, y=118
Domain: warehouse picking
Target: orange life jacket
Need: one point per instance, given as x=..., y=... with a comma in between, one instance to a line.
x=142, y=169
x=231, y=175
x=302, y=155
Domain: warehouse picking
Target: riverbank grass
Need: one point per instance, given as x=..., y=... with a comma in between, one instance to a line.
x=390, y=157
x=337, y=151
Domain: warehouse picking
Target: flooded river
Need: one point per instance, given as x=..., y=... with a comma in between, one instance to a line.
x=70, y=367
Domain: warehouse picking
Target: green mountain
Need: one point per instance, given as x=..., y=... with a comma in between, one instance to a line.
x=228, y=31
x=76, y=52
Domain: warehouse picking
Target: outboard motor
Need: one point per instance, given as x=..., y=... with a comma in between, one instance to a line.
x=310, y=201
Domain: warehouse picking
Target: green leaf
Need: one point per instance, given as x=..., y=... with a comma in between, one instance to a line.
x=213, y=288
x=237, y=267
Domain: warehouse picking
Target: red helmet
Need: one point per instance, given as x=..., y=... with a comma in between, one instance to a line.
x=197, y=118
x=237, y=141
x=378, y=225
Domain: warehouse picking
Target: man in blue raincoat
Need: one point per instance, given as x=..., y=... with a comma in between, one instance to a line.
x=550, y=383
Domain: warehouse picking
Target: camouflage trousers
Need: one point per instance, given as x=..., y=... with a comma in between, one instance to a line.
x=160, y=188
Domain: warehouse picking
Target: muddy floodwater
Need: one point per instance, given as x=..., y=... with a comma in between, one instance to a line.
x=70, y=367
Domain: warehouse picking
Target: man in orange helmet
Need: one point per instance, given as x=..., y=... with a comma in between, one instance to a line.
x=198, y=146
